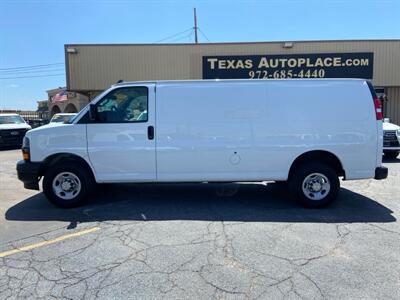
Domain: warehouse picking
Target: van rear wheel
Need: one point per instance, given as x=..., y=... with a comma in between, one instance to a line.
x=314, y=185
x=67, y=184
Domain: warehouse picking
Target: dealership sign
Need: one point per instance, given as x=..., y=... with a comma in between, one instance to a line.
x=324, y=65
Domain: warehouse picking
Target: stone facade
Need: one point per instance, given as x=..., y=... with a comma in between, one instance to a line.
x=75, y=102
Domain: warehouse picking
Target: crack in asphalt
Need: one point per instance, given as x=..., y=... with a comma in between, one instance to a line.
x=29, y=273
x=203, y=259
x=213, y=261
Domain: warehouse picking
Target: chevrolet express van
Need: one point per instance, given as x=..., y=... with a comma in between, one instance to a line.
x=308, y=133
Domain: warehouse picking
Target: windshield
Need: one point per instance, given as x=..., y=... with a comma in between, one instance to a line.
x=61, y=118
x=11, y=120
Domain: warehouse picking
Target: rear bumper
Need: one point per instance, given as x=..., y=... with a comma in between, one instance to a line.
x=381, y=173
x=391, y=149
x=28, y=173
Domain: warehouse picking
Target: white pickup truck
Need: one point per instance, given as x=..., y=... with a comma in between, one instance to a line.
x=391, y=139
x=306, y=132
x=12, y=129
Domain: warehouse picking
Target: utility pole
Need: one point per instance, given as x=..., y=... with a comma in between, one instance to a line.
x=195, y=26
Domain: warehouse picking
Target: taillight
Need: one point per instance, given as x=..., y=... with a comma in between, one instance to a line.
x=378, y=109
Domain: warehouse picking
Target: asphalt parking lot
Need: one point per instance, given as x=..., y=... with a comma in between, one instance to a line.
x=238, y=241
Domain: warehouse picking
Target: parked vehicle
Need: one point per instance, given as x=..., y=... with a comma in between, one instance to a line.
x=37, y=122
x=391, y=139
x=62, y=117
x=12, y=130
x=304, y=132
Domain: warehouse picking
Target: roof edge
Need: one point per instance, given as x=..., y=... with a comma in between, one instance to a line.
x=235, y=43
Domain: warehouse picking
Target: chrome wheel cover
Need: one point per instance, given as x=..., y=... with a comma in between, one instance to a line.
x=66, y=185
x=316, y=186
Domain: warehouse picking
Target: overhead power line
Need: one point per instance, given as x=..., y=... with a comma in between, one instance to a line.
x=33, y=76
x=174, y=35
x=185, y=37
x=32, y=67
x=190, y=36
x=183, y=34
x=21, y=72
x=204, y=34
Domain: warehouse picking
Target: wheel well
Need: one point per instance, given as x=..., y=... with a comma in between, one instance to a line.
x=319, y=156
x=63, y=157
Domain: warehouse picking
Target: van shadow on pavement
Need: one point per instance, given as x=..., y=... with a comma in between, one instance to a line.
x=203, y=202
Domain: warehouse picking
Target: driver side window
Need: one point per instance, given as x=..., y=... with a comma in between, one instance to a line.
x=124, y=105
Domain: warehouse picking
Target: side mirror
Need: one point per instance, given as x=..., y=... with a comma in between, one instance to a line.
x=92, y=112
x=386, y=120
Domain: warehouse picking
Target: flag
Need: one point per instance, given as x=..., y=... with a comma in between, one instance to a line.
x=60, y=96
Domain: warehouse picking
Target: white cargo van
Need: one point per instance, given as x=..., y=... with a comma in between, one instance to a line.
x=306, y=132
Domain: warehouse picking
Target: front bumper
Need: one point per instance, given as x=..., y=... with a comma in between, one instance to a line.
x=381, y=173
x=14, y=142
x=28, y=173
x=12, y=137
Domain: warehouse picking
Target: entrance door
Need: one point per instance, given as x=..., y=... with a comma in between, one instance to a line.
x=121, y=144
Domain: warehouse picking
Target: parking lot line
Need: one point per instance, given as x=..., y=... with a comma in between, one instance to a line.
x=49, y=242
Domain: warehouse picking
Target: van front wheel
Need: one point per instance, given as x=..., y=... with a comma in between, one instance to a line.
x=314, y=185
x=67, y=184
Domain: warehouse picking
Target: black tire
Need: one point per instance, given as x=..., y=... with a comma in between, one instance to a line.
x=391, y=154
x=281, y=184
x=86, y=183
x=302, y=172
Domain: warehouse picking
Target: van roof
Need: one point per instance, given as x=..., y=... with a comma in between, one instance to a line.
x=188, y=81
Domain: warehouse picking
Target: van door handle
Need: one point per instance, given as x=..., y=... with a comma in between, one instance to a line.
x=150, y=132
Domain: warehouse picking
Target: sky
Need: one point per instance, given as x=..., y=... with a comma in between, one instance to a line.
x=34, y=32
